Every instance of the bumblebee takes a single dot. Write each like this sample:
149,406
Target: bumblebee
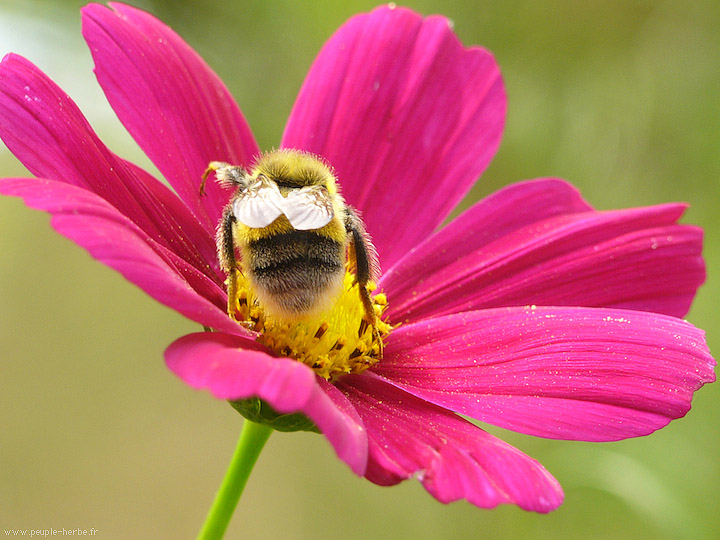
294,232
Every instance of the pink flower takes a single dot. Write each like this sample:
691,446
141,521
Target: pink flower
531,311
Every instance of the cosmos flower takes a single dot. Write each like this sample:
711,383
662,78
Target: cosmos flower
531,311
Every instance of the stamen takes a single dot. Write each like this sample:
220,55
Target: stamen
338,341
321,330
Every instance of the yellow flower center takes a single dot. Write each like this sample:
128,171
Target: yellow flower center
333,343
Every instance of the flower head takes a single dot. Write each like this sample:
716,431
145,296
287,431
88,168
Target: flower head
531,311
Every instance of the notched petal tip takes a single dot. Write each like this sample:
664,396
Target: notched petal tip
451,457
551,253
158,85
9,57
562,373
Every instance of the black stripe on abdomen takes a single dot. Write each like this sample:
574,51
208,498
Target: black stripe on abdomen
296,263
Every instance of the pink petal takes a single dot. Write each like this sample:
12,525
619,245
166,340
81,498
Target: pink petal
451,457
232,367
565,373
496,216
407,116
44,128
114,240
170,101
637,259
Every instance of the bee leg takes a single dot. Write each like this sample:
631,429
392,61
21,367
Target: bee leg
226,256
226,175
212,167
366,266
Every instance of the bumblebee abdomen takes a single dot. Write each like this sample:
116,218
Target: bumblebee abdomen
296,272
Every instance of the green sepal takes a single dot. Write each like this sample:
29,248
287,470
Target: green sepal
256,410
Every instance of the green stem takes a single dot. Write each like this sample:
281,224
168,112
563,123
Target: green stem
252,440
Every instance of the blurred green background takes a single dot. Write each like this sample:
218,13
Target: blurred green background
621,98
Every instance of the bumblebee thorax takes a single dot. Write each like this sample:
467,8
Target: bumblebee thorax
294,169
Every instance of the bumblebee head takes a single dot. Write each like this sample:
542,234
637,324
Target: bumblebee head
287,183
292,169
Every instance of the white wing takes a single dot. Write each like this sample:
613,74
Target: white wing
308,208
259,205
